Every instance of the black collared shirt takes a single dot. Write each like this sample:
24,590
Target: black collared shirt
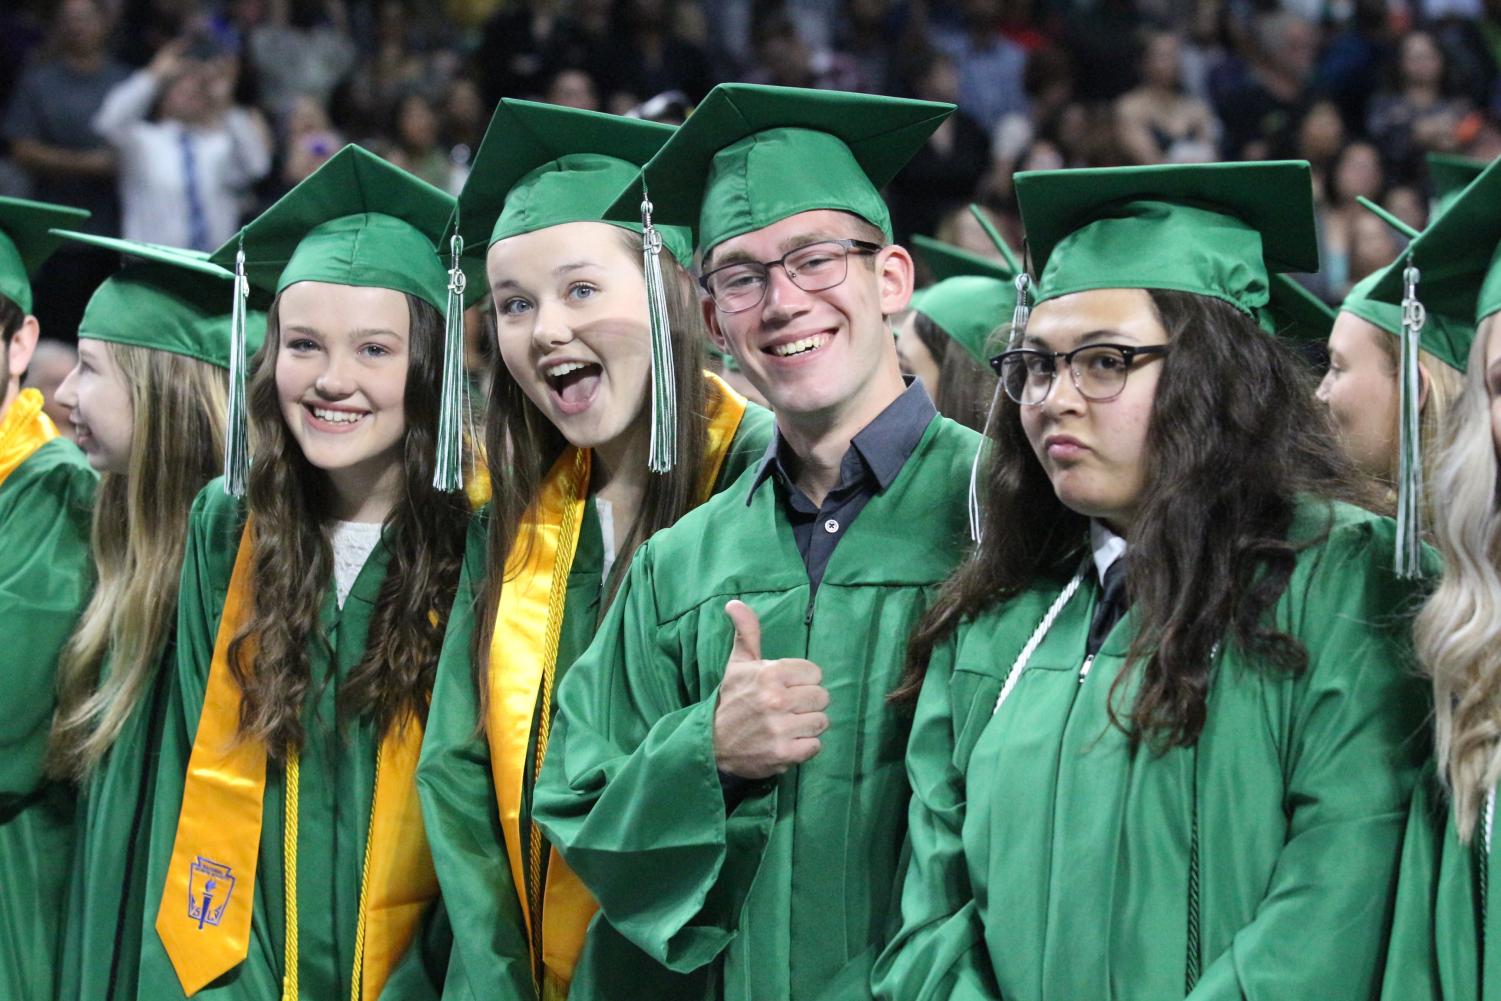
875,456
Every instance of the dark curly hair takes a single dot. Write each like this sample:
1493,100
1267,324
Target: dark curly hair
1235,439
290,502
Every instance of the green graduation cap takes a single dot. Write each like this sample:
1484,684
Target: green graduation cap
356,220
165,300
1001,246
541,165
753,155
1294,313
948,261
1448,175
1215,229
26,240
967,308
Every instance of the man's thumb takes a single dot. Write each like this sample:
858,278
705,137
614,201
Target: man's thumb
747,631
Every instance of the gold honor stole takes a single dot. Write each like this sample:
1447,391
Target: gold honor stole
204,918
523,662
25,429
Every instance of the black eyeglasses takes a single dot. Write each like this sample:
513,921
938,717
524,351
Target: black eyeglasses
812,267
1099,370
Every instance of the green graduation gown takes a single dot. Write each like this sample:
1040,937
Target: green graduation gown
337,787
107,887
491,956
786,894
1050,862
46,573
1444,936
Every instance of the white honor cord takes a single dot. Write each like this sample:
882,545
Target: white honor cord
1020,664
1490,816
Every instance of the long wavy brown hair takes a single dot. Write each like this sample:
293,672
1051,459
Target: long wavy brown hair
291,504
139,530
1235,438
521,444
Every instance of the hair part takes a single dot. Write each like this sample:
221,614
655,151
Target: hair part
521,445
291,504
139,530
1457,634
1235,438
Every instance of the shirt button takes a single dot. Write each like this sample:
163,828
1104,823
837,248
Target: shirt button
831,526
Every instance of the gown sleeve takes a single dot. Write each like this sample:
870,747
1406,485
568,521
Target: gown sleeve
630,793
491,958
46,571
207,559
1412,972
1355,741
939,949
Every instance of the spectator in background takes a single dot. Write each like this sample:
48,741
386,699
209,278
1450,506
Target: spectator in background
1157,122
518,41
1261,99
1419,114
784,59
51,361
946,172
1049,85
464,116
303,49
573,88
871,33
1321,136
415,147
188,156
309,139
1356,172
648,57
990,65
47,125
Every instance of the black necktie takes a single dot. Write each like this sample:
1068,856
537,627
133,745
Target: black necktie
1111,607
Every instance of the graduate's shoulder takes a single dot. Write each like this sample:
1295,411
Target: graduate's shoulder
1334,534
56,473
216,521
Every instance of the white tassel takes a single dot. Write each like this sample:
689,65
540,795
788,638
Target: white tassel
237,443
1410,450
448,470
664,404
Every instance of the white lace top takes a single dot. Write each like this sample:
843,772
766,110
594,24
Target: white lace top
353,542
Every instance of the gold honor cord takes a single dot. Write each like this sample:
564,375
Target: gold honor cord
208,900
25,429
523,664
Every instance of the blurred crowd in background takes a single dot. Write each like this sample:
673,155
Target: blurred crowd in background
174,120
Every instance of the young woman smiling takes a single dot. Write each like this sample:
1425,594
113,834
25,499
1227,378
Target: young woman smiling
1446,940
288,856
568,437
1166,707
147,401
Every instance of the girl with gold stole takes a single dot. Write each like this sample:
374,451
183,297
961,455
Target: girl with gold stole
287,851
585,464
147,401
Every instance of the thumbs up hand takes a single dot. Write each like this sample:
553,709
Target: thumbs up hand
770,712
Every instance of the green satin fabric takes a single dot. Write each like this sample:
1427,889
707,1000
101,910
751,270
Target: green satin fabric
491,956
337,784
788,894
1051,862
46,573
1446,941
101,949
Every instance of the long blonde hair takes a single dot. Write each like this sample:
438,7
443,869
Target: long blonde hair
1458,632
139,532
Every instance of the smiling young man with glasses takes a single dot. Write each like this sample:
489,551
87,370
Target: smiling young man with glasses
725,771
